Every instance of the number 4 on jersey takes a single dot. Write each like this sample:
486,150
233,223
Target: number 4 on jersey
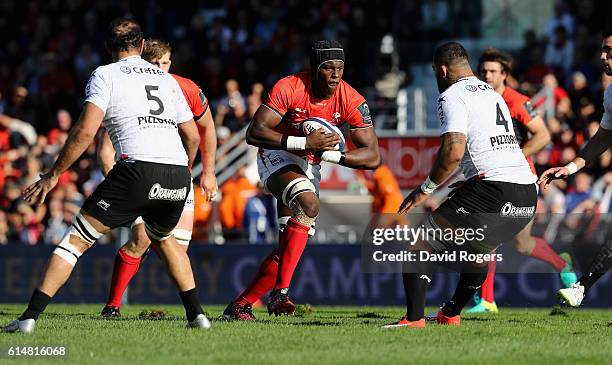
500,119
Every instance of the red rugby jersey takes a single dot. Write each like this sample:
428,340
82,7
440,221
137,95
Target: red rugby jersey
293,99
522,112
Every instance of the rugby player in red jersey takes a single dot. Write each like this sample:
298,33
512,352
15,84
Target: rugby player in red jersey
288,163
129,256
532,134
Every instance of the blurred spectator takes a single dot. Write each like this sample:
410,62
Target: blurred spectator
3,228
436,18
580,193
64,123
231,111
560,18
2,104
386,196
259,221
255,99
234,195
20,107
85,61
560,52
56,225
201,215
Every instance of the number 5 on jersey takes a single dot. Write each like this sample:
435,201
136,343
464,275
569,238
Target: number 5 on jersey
160,105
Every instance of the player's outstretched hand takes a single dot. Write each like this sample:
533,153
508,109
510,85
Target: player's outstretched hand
208,183
319,141
37,192
413,200
553,174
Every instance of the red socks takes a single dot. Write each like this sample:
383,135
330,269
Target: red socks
124,270
292,243
276,270
264,280
543,251
488,290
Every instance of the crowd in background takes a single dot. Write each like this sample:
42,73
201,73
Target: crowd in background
235,50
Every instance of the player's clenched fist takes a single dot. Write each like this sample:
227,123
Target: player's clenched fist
318,141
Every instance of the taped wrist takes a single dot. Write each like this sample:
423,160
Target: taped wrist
293,143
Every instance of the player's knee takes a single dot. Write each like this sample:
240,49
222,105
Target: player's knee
310,206
141,241
80,236
157,233
183,236
521,247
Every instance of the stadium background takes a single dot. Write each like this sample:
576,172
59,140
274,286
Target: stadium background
236,50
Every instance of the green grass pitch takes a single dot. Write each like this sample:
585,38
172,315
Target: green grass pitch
327,335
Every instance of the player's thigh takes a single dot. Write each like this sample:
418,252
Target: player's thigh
118,200
524,242
186,220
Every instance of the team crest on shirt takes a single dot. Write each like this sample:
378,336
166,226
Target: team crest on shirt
336,117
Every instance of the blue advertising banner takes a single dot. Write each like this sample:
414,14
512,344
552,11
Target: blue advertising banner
327,274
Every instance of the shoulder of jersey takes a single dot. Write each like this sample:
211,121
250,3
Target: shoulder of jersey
294,82
297,79
512,95
348,88
185,82
103,69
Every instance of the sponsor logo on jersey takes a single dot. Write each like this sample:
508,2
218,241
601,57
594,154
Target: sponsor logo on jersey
462,211
155,120
503,139
440,110
147,70
425,277
510,211
125,69
102,204
471,88
159,193
275,159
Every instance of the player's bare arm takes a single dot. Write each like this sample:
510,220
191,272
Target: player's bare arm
539,136
597,145
260,133
106,153
190,138
366,156
447,159
80,137
208,149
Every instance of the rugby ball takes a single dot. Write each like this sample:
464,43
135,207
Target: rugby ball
312,124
